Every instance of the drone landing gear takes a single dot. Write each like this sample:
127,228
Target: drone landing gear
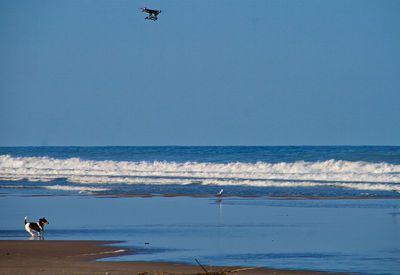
152,17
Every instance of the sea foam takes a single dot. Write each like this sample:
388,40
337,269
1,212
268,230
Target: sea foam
346,174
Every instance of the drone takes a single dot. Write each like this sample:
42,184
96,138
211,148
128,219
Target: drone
152,13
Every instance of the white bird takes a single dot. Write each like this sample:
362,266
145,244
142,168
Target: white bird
220,192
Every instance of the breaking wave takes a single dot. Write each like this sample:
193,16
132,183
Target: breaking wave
346,174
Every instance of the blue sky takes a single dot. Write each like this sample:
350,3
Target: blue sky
209,72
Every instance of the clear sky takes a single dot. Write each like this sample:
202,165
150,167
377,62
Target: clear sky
208,72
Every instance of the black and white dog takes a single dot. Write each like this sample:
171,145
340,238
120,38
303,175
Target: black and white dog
37,227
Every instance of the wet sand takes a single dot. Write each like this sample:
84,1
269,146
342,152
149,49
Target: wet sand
78,257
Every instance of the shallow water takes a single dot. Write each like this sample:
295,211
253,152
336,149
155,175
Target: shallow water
344,235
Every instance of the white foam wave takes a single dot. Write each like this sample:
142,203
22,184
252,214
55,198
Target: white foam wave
81,189
347,174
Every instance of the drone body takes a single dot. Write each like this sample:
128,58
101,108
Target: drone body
152,13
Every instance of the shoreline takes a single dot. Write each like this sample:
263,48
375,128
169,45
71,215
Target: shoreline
79,257
120,195
173,195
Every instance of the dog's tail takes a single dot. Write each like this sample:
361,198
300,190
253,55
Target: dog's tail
25,219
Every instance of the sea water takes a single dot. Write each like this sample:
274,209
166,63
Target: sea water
332,209
280,171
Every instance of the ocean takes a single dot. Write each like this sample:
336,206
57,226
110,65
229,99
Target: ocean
324,208
338,171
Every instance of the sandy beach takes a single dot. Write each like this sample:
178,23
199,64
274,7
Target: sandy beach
78,257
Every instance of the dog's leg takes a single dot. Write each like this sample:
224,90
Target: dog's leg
29,230
32,234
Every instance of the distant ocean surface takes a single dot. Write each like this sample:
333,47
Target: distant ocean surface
332,171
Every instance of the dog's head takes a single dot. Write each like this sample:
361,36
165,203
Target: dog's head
43,221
